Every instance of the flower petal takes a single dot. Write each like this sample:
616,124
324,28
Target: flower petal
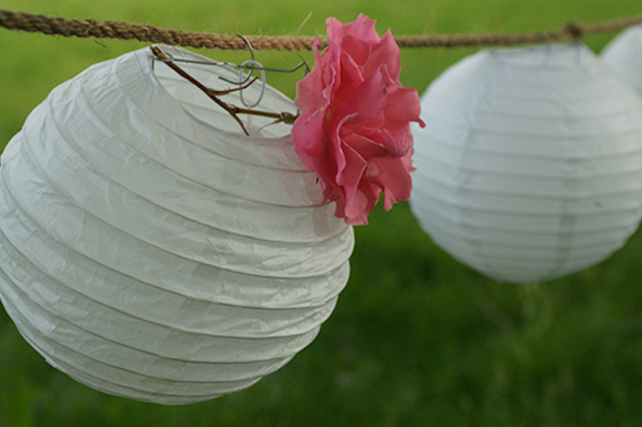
363,28
368,196
368,98
386,52
403,105
357,49
394,180
365,146
352,172
308,135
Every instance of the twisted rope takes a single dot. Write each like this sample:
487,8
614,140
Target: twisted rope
149,33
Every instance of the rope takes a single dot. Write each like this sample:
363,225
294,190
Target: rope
149,33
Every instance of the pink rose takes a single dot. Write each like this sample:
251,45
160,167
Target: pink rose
354,128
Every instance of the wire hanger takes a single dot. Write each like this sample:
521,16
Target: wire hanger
251,65
244,81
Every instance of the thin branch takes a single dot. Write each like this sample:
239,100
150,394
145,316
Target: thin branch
233,110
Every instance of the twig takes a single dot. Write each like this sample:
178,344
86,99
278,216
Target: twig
233,110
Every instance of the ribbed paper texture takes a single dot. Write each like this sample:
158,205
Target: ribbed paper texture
530,164
149,249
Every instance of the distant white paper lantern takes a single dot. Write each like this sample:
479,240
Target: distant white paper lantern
624,55
530,164
149,249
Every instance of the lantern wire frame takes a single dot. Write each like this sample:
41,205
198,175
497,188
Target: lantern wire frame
251,65
242,82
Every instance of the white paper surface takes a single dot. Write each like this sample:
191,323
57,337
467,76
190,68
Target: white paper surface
151,250
624,55
530,165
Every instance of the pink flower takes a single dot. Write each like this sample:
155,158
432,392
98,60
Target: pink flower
354,128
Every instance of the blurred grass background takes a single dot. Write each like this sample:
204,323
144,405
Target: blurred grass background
416,339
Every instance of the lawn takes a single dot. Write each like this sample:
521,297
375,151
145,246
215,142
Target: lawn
417,339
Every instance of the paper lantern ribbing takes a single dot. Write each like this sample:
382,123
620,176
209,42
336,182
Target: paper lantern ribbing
151,250
624,55
530,164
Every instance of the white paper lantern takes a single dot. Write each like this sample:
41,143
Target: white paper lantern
530,164
149,249
624,55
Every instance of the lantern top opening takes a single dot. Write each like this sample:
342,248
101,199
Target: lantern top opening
546,55
198,105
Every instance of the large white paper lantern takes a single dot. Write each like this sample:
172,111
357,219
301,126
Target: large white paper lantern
149,249
530,164
624,55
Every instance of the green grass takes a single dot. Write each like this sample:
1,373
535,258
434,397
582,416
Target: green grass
417,339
